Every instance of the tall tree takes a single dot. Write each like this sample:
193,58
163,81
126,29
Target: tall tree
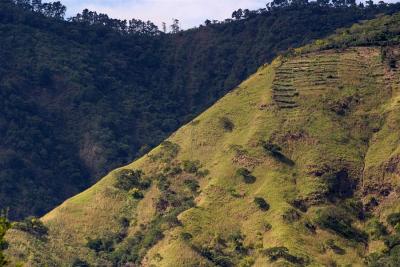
37,5
237,14
175,27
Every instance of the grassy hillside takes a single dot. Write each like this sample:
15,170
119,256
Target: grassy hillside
79,98
297,166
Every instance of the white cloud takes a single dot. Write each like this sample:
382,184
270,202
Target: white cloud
190,12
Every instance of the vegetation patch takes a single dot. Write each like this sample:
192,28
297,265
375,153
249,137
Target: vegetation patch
168,206
191,166
379,31
109,242
337,181
226,252
172,170
32,226
186,236
277,253
299,204
340,222
136,193
261,203
310,226
343,106
136,247
387,257
330,243
130,179
392,241
291,215
276,152
393,219
226,124
194,167
353,207
168,152
233,192
4,226
105,244
162,182
375,229
80,263
192,185
248,178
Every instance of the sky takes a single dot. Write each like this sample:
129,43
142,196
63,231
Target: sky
191,13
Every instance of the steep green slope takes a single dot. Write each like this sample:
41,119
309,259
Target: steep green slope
80,98
297,166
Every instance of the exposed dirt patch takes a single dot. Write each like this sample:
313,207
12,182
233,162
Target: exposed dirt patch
246,161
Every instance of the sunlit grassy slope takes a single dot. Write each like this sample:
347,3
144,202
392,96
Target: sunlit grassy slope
333,114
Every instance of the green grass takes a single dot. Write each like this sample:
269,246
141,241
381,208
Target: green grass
312,135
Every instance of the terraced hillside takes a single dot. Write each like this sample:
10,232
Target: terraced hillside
297,166
311,75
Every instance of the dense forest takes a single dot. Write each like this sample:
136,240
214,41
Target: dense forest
80,96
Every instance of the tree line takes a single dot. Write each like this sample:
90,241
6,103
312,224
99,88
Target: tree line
135,26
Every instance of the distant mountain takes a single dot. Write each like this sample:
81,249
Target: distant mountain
298,166
81,97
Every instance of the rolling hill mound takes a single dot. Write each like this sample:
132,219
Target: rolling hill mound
298,166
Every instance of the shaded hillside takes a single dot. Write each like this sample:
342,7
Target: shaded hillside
78,98
298,166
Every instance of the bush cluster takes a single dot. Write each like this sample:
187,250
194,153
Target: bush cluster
393,219
191,166
136,193
4,226
129,179
376,229
168,151
340,222
248,178
291,215
33,226
276,152
276,253
225,251
226,124
80,263
330,243
261,203
194,167
192,185
101,244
